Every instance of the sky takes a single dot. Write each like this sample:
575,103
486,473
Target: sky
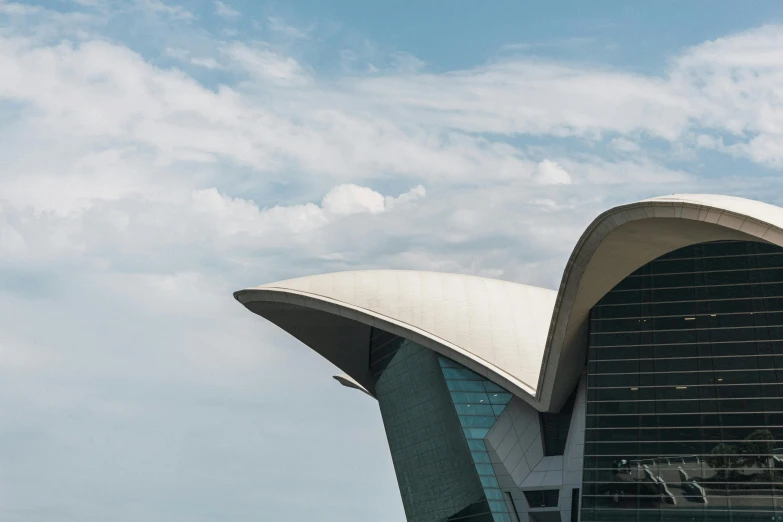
155,157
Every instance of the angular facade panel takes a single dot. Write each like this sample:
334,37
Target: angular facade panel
431,458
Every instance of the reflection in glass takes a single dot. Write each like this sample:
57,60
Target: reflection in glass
478,412
436,414
435,468
684,417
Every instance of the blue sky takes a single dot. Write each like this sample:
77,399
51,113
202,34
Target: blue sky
155,157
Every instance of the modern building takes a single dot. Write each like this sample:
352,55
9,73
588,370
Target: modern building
647,388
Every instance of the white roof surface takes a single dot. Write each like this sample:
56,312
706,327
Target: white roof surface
487,324
530,340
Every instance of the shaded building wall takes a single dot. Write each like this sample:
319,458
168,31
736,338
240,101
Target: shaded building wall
434,469
436,414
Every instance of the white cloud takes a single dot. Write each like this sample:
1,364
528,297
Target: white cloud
263,63
184,55
533,97
728,85
733,84
550,173
352,199
134,199
278,25
169,113
412,195
12,243
225,10
406,63
624,145
207,63
349,199
91,3
230,216
158,7
16,9
598,171
18,354
129,227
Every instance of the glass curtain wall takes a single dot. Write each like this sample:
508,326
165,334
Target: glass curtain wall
478,403
436,414
685,367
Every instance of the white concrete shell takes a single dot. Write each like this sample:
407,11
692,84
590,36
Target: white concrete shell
494,327
530,340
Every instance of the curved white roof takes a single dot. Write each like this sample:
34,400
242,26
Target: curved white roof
494,327
530,340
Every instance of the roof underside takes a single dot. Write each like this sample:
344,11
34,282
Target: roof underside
530,340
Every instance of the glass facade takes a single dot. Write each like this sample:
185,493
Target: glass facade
685,367
478,403
542,498
436,414
554,428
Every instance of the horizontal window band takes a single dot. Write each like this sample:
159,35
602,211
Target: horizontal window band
695,343
651,456
665,259
722,271
656,441
686,427
704,399
673,259
686,386
654,459
588,513
679,510
767,512
682,358
671,455
768,507
679,461
751,370
686,413
704,300
687,330
654,288
708,329
716,314
706,486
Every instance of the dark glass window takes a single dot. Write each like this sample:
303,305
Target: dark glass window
575,505
684,413
554,428
383,347
477,410
428,448
436,414
542,498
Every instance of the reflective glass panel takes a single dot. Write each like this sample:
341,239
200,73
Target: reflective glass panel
436,471
684,389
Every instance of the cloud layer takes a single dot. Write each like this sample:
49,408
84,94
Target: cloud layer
144,181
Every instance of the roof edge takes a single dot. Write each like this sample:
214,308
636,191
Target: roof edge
691,207
397,327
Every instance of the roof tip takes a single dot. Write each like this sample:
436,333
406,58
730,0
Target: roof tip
349,382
